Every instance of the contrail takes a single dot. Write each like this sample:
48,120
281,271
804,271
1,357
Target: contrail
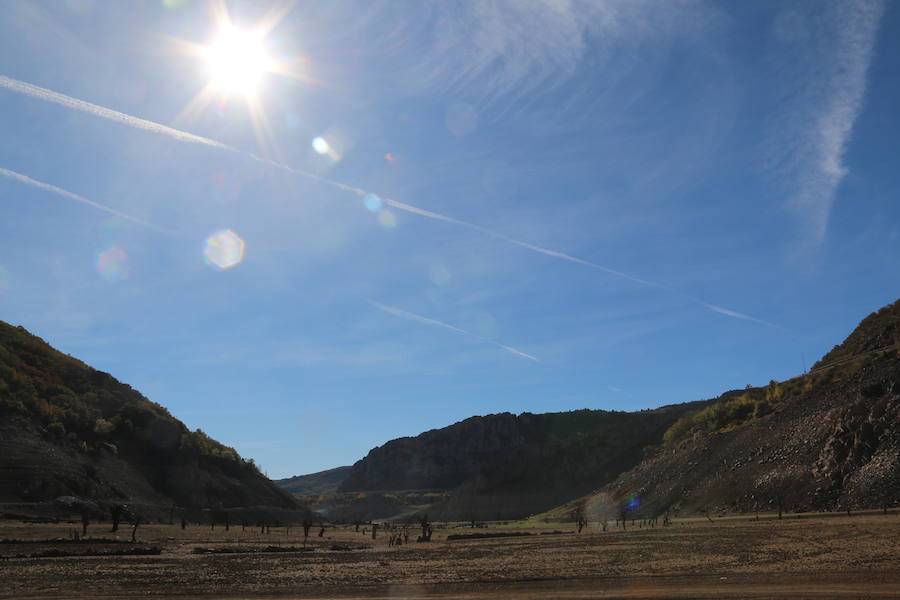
439,217
67,194
108,113
341,186
736,315
420,319
433,215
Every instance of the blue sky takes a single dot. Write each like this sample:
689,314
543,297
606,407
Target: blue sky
579,204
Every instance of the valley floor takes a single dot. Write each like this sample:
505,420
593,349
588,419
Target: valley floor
805,556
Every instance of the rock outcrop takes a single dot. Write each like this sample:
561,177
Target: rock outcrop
505,466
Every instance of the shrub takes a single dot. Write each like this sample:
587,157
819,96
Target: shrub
103,427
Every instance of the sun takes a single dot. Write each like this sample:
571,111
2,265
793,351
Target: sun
237,61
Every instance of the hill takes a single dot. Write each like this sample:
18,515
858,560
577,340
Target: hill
878,331
72,434
506,466
323,482
827,440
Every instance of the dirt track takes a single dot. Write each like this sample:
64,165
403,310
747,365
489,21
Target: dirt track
811,557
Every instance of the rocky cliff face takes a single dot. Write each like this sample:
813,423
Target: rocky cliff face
508,466
437,459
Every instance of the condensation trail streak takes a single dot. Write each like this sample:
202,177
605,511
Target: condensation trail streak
420,319
67,194
107,113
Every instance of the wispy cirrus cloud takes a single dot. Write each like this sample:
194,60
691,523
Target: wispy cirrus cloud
427,321
814,127
737,315
489,49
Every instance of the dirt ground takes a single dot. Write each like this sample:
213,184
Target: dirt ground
805,556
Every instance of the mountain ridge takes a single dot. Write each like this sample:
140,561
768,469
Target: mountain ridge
70,431
825,439
499,465
320,482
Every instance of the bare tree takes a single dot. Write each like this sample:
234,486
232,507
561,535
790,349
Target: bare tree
115,513
85,521
580,518
427,529
137,523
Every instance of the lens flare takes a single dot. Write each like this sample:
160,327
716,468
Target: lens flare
632,501
223,250
320,145
387,219
372,202
333,145
113,264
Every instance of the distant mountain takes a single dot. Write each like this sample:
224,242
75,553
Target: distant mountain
323,482
506,466
827,440
71,433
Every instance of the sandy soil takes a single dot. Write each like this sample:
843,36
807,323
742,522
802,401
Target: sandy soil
814,556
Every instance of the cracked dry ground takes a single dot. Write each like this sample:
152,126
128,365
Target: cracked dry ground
816,556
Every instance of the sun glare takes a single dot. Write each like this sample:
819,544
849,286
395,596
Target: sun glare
237,61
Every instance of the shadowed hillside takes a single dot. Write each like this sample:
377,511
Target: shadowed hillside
323,482
508,466
67,430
